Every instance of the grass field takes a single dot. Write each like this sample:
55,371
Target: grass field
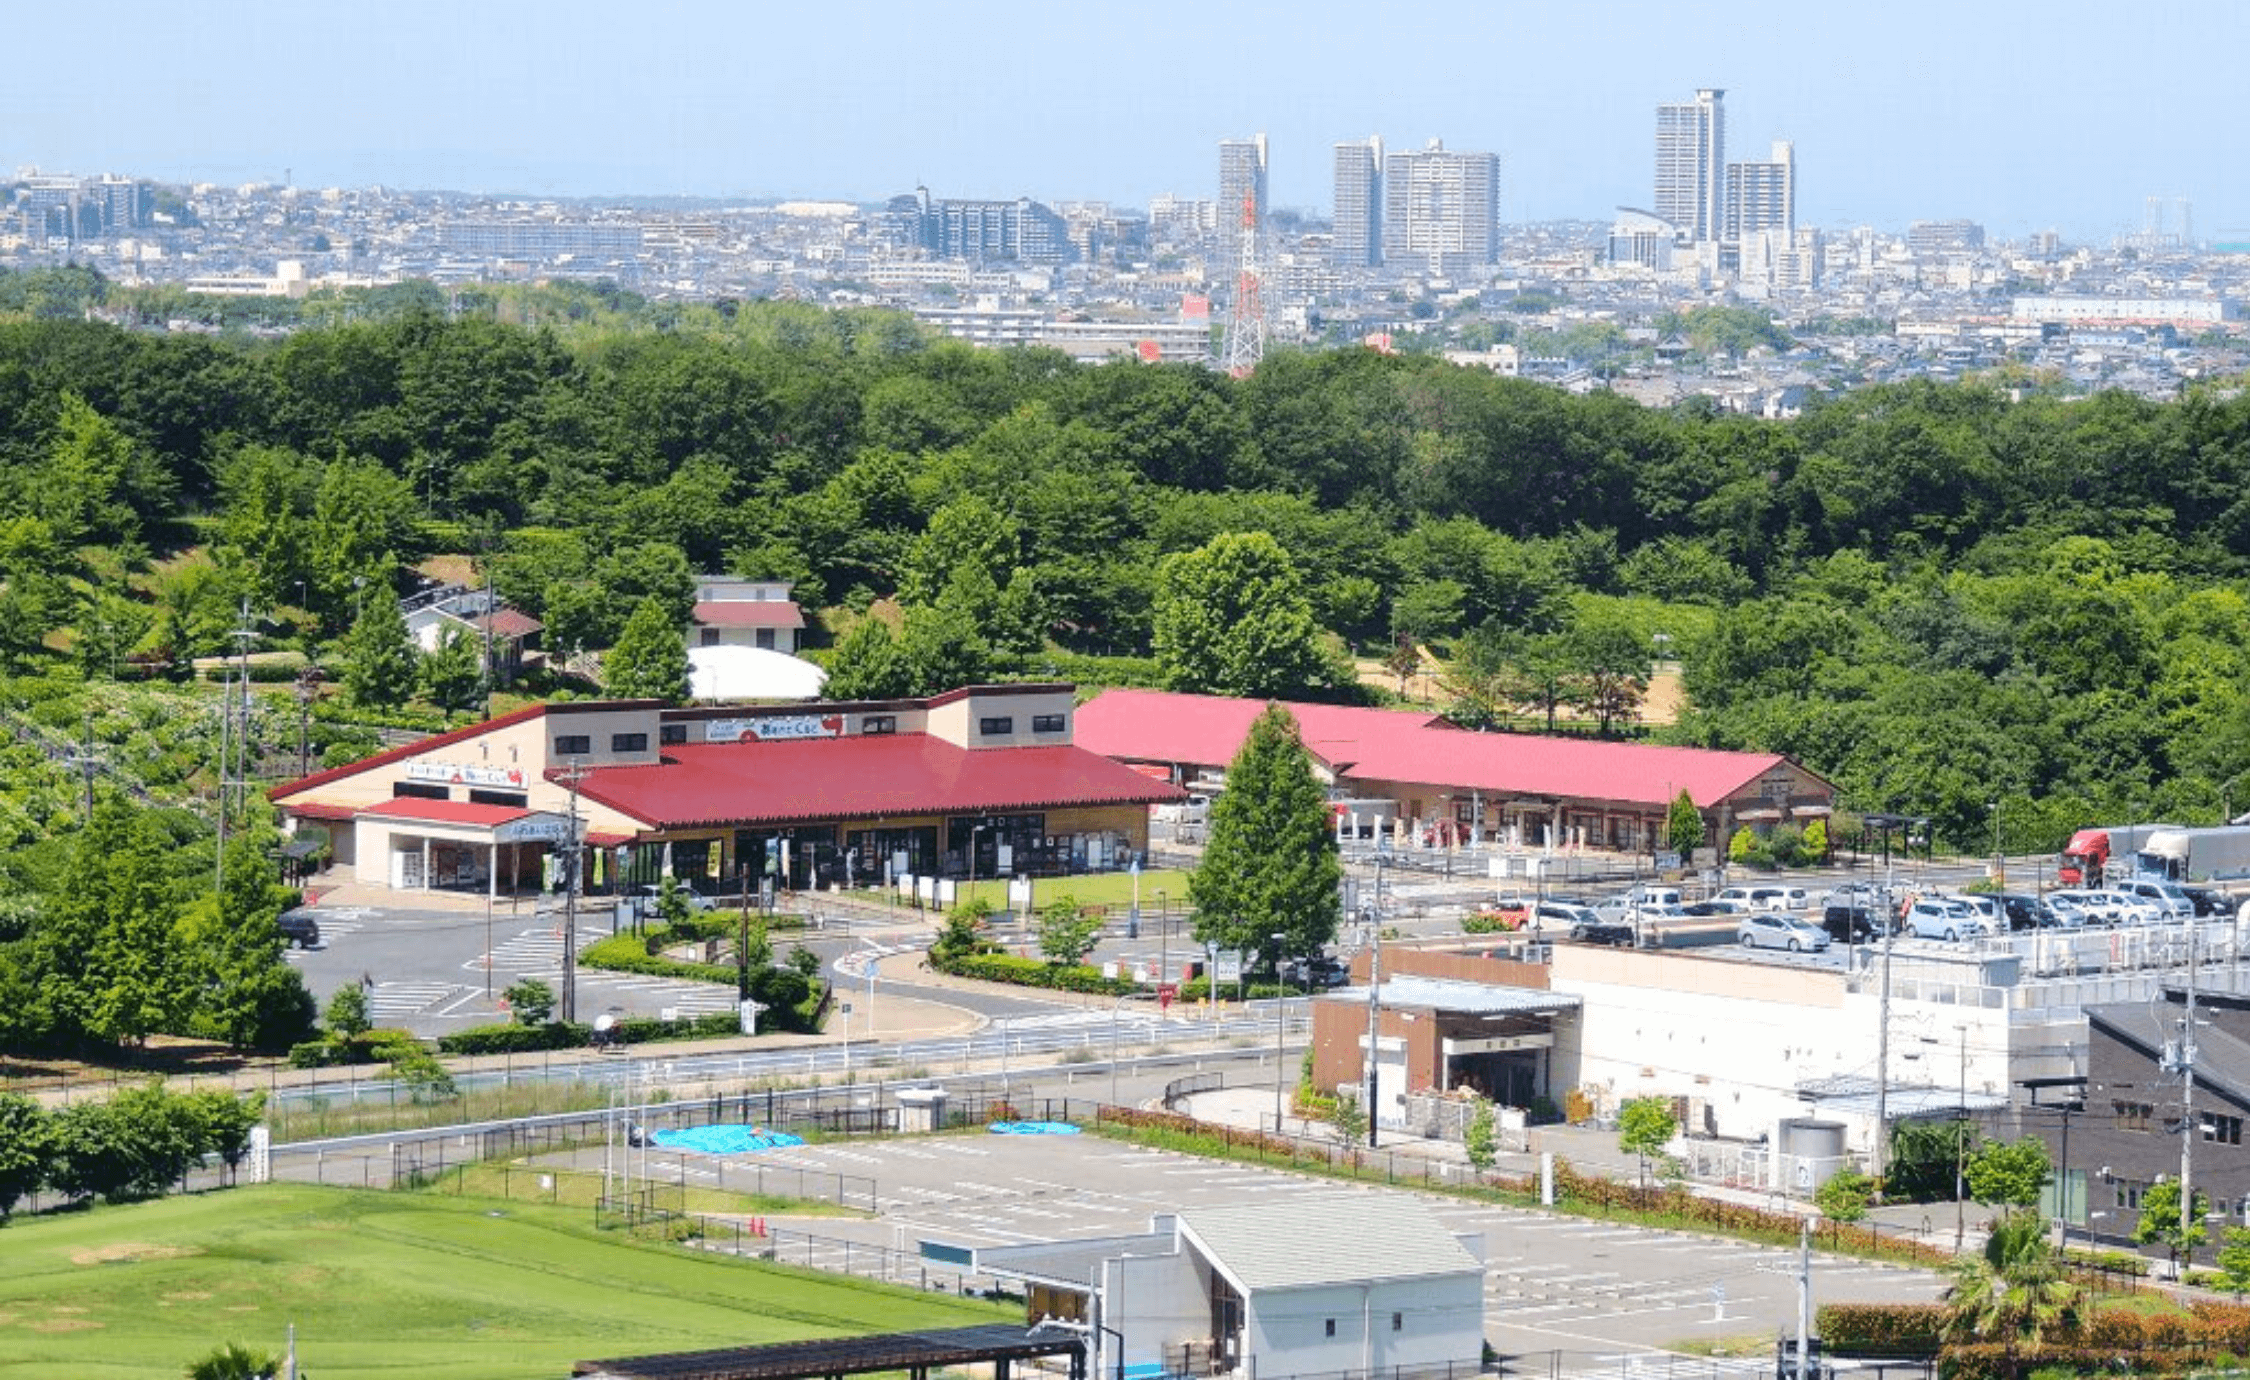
1099,889
396,1284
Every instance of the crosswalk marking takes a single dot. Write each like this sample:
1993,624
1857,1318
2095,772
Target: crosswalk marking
393,999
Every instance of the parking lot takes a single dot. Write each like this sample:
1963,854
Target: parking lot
1596,1290
433,971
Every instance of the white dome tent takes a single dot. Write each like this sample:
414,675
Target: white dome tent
751,673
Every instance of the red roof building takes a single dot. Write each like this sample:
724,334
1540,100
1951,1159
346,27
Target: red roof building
745,613
983,781
1420,770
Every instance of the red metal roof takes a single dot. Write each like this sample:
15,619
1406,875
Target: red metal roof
867,777
749,613
1208,730
444,811
1416,748
400,753
314,810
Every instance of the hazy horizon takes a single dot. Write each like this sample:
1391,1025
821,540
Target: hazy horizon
2020,117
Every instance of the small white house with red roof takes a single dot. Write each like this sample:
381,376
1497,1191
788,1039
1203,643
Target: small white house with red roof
745,613
1458,785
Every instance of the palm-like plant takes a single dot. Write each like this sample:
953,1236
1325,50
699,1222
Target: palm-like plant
234,1362
2014,1291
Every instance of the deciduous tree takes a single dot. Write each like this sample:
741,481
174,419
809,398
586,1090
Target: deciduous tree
1645,1126
650,660
1232,619
1270,865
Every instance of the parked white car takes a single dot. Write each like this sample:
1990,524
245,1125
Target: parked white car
2070,913
1778,930
1944,917
2165,896
2129,909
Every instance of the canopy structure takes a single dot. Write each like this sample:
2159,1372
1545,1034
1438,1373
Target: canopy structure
915,1353
751,673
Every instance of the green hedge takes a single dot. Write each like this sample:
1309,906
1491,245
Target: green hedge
1881,1329
330,1051
634,1030
625,954
1032,972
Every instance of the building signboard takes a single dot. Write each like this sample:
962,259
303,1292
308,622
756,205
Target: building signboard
465,774
540,828
773,728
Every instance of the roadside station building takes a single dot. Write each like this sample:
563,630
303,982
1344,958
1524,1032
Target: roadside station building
1453,785
983,781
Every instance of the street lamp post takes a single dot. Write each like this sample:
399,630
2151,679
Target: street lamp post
1999,859
1280,1015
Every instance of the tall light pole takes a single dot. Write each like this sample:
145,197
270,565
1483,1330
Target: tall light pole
1999,859
571,775
1961,1152
1280,1014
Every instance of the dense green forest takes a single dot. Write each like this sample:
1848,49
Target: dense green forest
1939,596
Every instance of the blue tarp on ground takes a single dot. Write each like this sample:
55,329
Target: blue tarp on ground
724,1140
1033,1128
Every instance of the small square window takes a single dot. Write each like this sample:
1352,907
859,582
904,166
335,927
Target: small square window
668,734
628,742
1048,723
879,723
1331,1327
1398,1322
573,744
996,728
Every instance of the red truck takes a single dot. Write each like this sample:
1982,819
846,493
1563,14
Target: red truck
2086,858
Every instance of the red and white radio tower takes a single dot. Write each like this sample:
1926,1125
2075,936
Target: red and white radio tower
1246,322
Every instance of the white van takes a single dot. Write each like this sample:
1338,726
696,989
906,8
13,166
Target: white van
1759,897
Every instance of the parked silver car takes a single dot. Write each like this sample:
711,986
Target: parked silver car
1779,930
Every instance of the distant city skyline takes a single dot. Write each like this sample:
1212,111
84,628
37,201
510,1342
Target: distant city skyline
2022,118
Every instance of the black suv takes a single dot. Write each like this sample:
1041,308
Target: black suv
2209,902
2026,912
299,928
1602,932
1849,924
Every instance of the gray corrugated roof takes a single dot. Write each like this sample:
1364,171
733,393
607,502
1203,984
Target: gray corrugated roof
1068,1262
1474,998
1368,1236
1856,1093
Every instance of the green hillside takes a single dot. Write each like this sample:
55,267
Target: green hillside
395,1284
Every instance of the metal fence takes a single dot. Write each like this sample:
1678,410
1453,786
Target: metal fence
750,1239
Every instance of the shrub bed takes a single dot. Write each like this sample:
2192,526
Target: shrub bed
1881,1329
1032,972
369,1047
634,1030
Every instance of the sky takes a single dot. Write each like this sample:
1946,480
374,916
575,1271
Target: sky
2062,115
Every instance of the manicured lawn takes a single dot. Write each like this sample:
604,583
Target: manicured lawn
397,1284
1099,889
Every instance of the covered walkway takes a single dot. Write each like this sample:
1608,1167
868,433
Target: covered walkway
915,1353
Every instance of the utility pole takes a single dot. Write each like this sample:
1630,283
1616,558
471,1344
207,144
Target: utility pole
1889,921
244,633
1961,1152
85,760
1804,1299
1374,1027
226,733
571,775
2187,1106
